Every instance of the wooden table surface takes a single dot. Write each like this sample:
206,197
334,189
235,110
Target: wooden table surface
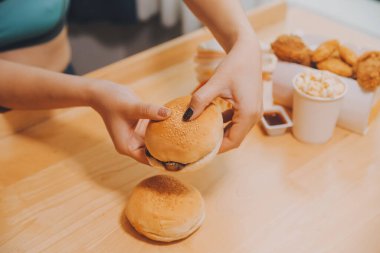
63,187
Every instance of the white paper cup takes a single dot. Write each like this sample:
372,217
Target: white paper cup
314,118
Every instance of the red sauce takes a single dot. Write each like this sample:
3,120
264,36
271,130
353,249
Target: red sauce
274,118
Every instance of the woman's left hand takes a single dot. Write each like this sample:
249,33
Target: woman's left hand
237,79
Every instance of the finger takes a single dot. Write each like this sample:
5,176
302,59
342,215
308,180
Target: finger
151,111
141,126
232,137
228,115
135,148
127,142
139,155
200,100
236,130
199,86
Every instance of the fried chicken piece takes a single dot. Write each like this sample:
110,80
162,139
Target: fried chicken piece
367,70
347,55
335,66
335,54
291,48
325,50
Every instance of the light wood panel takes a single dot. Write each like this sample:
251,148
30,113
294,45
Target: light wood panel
63,188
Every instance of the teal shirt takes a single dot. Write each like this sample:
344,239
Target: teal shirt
26,19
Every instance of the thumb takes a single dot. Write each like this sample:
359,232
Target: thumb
200,100
151,111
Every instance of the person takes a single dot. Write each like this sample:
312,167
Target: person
30,78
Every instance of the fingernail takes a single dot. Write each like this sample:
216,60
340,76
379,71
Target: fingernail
164,112
187,115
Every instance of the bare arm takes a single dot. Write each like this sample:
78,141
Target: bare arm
238,77
25,87
226,20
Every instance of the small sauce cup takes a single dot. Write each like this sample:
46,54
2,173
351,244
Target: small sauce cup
314,117
275,120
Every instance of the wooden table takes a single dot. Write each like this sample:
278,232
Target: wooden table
63,186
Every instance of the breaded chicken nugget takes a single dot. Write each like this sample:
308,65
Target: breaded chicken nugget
325,50
335,54
291,48
367,70
347,55
336,66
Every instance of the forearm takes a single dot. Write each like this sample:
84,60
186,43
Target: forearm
226,19
25,87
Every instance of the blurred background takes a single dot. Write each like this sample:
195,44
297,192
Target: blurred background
102,32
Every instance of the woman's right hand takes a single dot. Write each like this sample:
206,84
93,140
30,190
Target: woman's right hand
123,114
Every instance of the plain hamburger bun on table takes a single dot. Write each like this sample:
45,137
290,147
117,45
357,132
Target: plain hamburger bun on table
177,145
163,208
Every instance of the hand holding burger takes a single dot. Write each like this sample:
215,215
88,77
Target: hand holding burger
177,145
238,77
125,116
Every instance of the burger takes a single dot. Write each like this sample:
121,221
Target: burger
177,145
162,208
